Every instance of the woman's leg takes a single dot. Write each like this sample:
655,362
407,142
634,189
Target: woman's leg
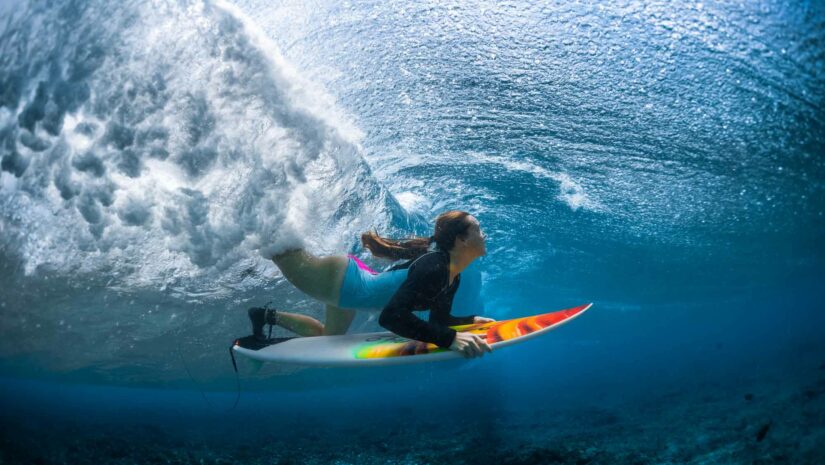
338,320
302,325
318,277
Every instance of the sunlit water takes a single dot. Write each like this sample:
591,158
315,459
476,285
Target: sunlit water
662,161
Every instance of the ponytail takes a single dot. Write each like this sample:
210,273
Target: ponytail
448,226
392,249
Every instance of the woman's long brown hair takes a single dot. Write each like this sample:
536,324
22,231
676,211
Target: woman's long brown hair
448,226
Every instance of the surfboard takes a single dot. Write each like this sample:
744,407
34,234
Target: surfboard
386,348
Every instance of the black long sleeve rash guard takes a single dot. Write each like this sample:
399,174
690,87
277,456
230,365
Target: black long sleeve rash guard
426,287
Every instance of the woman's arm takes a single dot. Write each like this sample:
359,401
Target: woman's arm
449,319
417,289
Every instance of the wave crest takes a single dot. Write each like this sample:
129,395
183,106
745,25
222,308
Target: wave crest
174,141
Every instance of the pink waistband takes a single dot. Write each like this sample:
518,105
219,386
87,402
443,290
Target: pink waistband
361,264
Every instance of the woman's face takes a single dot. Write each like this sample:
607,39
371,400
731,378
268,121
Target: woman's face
474,238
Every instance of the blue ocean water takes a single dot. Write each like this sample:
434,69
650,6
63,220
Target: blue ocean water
663,161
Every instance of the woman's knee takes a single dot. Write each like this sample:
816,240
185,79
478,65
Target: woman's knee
287,256
338,320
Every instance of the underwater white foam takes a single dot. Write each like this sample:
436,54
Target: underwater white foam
570,191
412,201
198,151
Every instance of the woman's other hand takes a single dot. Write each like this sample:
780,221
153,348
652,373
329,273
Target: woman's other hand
470,345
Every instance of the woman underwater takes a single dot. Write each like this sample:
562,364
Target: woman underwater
429,279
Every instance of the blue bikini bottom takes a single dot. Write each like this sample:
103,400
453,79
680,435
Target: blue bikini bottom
366,289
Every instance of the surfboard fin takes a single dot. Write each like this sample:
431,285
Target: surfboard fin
256,366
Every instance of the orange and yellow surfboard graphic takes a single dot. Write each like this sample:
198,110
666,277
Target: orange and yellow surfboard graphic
391,345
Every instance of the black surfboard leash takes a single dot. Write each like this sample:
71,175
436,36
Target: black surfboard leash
203,394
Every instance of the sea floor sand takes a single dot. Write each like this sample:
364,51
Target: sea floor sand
767,421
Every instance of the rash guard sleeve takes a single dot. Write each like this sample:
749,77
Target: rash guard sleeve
424,281
451,320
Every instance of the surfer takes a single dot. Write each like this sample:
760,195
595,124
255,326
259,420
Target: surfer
429,279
